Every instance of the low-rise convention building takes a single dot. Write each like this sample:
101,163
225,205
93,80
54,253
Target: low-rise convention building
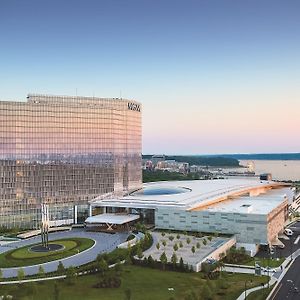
253,210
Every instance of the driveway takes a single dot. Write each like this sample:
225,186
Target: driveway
104,242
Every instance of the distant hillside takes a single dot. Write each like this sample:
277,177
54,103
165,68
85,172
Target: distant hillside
265,156
216,161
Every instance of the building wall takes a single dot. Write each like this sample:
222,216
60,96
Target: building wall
276,220
248,228
65,151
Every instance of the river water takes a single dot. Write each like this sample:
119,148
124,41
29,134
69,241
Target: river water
280,169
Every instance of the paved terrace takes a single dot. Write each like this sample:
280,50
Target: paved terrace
190,258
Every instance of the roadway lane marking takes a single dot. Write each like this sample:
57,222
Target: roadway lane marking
277,290
297,240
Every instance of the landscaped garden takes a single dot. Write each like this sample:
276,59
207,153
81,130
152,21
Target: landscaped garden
138,283
191,249
25,256
240,257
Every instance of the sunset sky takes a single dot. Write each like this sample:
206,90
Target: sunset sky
214,76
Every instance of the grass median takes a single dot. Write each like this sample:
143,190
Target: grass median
24,257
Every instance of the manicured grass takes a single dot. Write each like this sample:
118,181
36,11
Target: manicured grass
23,257
264,262
260,294
25,253
144,283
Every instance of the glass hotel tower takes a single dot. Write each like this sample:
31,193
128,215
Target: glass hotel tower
65,151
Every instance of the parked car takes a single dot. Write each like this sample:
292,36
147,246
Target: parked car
288,232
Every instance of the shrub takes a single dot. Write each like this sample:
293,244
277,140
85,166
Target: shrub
110,282
60,268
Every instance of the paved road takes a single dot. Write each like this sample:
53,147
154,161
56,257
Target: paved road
288,283
104,243
289,243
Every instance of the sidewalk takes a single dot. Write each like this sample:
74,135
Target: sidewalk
275,277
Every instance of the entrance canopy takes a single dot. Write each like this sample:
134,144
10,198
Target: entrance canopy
111,222
117,219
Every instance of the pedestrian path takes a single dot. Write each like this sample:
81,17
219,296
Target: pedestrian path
275,277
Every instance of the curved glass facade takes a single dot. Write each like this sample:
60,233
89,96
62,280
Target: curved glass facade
65,151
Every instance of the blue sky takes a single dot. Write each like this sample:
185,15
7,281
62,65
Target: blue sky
210,74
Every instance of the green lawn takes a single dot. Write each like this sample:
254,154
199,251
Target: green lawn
23,257
264,262
144,283
260,294
25,253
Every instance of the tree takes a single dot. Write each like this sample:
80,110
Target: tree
181,264
102,266
157,246
21,274
71,274
188,240
174,260
41,272
210,238
56,291
60,268
204,242
150,261
193,249
198,245
175,247
163,234
139,252
164,243
178,236
164,260
180,244
171,238
138,226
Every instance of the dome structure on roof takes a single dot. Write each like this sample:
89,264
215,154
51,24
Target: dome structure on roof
160,190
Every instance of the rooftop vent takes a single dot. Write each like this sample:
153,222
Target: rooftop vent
248,207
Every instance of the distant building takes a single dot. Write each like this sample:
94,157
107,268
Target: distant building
157,158
265,176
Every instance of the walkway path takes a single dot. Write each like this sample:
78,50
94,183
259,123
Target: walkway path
104,242
275,277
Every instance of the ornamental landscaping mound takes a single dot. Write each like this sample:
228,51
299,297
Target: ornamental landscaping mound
59,249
